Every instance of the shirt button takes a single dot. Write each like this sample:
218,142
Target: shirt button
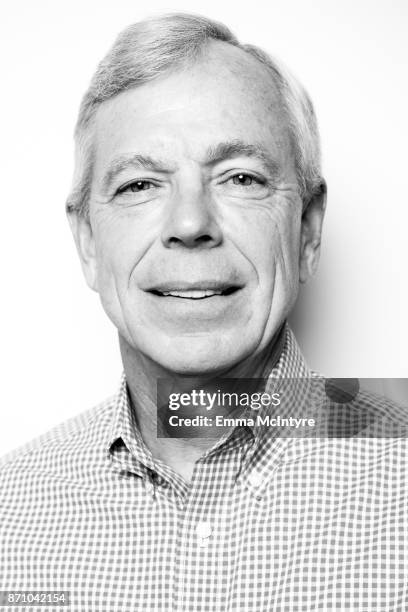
255,479
203,530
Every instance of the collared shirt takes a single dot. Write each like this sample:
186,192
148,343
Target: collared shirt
269,522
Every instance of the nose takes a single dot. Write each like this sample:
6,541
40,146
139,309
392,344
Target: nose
190,220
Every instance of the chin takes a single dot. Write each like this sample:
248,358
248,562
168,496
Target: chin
199,355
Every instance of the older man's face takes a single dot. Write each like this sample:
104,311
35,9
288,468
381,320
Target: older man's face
195,214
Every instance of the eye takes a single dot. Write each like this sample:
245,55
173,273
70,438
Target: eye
245,180
244,185
136,186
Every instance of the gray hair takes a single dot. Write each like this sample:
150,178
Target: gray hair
157,46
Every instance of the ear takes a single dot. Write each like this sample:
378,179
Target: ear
310,236
85,243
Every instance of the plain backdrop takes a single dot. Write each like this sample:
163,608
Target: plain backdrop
59,351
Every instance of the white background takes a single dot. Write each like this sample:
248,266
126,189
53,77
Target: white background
59,351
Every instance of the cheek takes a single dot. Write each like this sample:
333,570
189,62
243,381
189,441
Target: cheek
118,249
277,263
286,249
120,244
271,242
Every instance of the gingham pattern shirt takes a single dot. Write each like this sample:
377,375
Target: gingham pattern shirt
268,523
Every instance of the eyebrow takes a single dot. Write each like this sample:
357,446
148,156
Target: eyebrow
237,148
214,155
134,160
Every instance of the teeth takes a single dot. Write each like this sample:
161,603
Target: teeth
194,294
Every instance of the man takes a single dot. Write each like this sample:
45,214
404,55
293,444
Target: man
197,208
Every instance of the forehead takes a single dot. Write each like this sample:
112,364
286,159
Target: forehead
225,95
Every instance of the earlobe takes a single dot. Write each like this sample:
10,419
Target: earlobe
311,231
85,243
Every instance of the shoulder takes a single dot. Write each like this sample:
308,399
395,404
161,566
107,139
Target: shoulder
366,415
88,427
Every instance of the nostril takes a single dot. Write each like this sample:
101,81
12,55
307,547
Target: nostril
190,242
174,240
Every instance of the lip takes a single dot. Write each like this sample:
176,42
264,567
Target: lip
203,285
198,290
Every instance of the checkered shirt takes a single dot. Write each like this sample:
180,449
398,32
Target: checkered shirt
269,522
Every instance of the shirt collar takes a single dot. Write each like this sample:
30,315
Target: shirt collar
125,444
291,379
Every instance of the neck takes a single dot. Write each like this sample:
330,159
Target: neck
141,376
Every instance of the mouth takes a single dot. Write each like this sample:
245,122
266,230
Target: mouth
201,291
